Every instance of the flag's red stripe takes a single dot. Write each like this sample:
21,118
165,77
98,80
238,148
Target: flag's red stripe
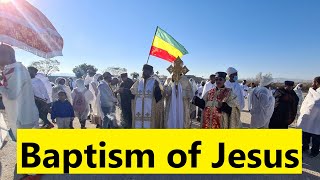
163,54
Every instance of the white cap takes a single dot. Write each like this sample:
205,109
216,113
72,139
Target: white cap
231,70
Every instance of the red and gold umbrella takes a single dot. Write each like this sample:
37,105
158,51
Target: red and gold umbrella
24,26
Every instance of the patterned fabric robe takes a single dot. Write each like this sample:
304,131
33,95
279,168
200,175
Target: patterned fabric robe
212,118
145,106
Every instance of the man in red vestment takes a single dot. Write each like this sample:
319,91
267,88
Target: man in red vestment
221,109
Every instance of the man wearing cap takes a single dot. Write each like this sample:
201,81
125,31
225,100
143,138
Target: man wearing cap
233,84
147,94
220,106
17,92
286,106
107,100
262,104
126,98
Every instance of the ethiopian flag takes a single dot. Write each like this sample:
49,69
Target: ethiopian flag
166,47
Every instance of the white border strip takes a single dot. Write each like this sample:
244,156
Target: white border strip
24,46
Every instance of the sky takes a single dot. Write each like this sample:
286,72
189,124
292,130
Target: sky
269,36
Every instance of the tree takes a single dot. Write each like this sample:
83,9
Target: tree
134,75
259,76
116,71
47,66
82,70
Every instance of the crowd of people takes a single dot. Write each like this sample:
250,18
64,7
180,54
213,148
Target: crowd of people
150,103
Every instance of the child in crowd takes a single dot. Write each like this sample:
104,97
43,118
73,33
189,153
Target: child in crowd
62,111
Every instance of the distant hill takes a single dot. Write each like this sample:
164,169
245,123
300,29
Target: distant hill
281,80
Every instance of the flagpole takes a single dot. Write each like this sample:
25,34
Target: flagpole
152,44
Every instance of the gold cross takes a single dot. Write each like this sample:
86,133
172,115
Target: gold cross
177,70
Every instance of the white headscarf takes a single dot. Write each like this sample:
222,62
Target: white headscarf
80,85
96,77
87,80
299,93
266,80
59,79
298,87
194,85
231,70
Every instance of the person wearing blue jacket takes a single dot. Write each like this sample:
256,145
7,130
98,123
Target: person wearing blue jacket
62,111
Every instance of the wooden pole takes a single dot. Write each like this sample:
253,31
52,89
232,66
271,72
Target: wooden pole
152,44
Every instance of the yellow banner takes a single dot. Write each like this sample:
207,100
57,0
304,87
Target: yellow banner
159,151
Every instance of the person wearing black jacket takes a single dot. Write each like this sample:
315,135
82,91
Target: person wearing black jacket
126,98
286,107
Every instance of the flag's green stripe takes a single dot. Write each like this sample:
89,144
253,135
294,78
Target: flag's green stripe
169,39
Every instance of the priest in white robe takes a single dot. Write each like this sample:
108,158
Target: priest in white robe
211,84
309,120
147,94
233,84
177,104
17,93
262,104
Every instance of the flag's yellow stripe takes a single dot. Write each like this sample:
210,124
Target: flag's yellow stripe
159,43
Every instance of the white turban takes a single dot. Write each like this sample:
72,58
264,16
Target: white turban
231,70
266,80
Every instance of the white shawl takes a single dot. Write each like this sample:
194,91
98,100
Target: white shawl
176,111
309,119
237,90
46,83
